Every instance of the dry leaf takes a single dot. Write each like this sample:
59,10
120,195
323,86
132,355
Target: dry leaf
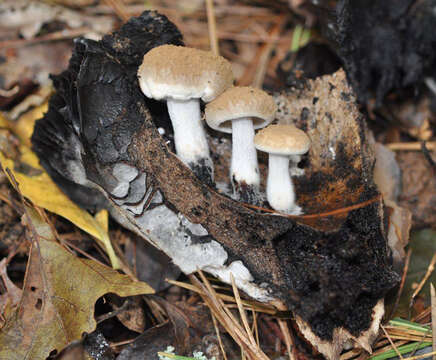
42,191
59,295
12,296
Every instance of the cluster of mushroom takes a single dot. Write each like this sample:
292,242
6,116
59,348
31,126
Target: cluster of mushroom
182,76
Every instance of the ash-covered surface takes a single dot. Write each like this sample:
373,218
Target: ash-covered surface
386,45
329,269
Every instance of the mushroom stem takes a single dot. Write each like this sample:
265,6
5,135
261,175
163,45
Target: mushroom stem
279,189
244,167
189,135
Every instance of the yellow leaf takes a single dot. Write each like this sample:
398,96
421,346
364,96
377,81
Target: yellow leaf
23,127
102,217
59,295
3,121
43,192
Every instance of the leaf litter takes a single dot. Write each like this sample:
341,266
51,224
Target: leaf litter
50,314
193,24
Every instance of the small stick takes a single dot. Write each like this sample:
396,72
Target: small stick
290,347
58,35
119,8
211,23
242,311
218,335
403,280
433,317
113,313
288,338
392,343
411,146
425,278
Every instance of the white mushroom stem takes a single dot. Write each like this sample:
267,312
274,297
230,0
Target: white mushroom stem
279,188
244,167
189,135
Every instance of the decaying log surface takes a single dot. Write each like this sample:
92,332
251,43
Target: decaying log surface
331,266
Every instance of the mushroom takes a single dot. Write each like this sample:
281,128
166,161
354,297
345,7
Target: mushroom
241,110
182,76
282,142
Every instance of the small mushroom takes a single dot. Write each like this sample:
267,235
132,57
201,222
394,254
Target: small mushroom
240,111
182,76
282,142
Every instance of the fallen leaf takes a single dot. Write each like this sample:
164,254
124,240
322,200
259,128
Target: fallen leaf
3,121
43,192
59,295
12,296
102,217
418,187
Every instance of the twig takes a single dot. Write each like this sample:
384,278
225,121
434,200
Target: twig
226,318
211,22
80,251
288,338
392,343
403,280
420,317
120,343
259,307
58,35
218,335
114,313
422,356
315,216
290,347
424,279
119,8
433,317
411,146
242,311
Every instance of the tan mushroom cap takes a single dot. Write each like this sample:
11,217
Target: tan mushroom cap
183,73
240,102
282,140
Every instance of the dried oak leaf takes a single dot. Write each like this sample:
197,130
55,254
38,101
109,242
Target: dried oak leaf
10,298
36,185
59,295
331,267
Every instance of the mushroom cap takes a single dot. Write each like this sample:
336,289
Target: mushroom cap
182,73
282,140
240,102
